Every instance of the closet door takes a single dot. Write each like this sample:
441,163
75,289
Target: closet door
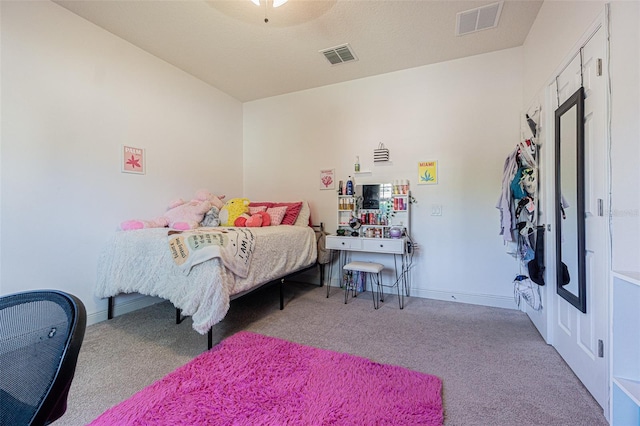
580,338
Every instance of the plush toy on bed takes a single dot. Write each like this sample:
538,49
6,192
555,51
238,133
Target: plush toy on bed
180,215
232,210
211,218
256,220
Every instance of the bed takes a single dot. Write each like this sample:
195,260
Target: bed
142,262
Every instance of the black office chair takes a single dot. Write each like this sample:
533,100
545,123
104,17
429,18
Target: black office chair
40,336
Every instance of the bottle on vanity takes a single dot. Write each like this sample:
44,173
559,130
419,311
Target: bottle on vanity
349,186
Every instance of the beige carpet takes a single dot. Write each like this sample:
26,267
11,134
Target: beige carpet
495,367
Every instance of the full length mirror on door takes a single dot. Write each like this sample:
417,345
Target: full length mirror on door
570,211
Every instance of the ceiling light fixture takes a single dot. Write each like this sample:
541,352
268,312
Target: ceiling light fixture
274,3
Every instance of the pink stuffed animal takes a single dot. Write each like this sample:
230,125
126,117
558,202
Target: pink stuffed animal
254,221
180,215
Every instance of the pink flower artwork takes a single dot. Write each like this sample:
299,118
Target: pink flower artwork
327,180
133,160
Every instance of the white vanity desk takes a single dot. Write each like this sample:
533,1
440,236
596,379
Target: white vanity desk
395,246
375,245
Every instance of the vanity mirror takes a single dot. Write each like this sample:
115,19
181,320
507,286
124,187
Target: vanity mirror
374,194
378,209
570,207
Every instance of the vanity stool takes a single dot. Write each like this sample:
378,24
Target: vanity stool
370,269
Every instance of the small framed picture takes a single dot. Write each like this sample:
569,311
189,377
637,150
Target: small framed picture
132,160
427,172
327,179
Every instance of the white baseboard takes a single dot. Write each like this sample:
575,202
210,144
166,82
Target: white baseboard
123,307
471,298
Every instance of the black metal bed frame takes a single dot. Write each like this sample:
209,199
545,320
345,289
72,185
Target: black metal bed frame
180,317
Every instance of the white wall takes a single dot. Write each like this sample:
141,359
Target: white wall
463,113
72,93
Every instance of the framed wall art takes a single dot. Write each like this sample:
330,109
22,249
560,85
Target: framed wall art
132,160
328,179
427,172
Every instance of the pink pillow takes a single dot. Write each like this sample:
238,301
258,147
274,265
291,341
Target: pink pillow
256,209
293,210
277,214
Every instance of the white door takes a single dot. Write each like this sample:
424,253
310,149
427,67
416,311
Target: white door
580,338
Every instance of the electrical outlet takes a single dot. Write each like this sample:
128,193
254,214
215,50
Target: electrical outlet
436,209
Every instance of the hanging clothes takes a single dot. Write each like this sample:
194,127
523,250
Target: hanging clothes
517,202
536,266
505,201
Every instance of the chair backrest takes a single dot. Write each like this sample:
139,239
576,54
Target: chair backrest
40,336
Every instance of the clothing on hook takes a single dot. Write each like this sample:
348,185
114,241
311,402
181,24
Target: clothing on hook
518,199
516,185
529,181
505,202
536,266
527,150
532,125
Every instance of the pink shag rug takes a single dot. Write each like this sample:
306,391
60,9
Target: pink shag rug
251,379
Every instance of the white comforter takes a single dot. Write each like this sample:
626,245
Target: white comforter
141,262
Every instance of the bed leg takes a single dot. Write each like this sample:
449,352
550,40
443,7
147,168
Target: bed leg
281,294
179,317
210,338
110,308
321,275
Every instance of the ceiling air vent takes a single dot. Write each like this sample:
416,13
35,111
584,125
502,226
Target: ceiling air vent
339,54
481,18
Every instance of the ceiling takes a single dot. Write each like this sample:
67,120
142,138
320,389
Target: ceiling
227,44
